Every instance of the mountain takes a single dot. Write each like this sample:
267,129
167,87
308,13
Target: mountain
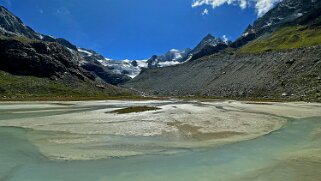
36,65
278,57
170,58
208,40
13,26
121,70
130,68
175,55
96,64
286,13
208,46
115,71
110,71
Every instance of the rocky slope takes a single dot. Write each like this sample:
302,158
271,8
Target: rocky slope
276,58
273,75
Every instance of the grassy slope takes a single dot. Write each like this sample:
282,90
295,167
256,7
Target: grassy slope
285,38
28,87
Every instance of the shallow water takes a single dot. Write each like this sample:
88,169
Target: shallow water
281,155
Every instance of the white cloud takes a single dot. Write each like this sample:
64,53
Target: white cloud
261,6
225,38
205,12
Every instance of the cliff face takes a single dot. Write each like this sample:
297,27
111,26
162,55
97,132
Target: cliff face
39,59
289,74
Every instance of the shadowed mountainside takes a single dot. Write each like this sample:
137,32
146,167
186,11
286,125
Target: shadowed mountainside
36,65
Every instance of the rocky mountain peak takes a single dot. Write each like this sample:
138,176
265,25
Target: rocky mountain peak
10,25
211,40
208,40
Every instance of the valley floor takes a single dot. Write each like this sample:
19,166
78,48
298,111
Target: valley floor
213,140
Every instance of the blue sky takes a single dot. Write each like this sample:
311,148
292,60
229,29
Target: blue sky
132,29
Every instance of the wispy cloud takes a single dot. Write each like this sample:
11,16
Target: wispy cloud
205,12
63,11
261,6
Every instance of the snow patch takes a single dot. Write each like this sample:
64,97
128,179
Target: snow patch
85,52
168,63
125,66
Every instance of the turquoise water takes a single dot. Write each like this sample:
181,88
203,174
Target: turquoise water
257,159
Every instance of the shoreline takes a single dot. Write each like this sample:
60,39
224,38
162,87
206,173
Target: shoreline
139,98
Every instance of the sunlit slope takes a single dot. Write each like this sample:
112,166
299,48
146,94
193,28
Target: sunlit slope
285,38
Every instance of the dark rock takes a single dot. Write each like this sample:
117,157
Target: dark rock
290,62
207,41
39,59
105,74
40,48
152,61
209,50
134,63
66,43
125,72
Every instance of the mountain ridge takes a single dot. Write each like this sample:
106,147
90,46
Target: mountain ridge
36,65
278,61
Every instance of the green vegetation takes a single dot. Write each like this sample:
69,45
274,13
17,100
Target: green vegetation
13,87
285,38
135,109
22,39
